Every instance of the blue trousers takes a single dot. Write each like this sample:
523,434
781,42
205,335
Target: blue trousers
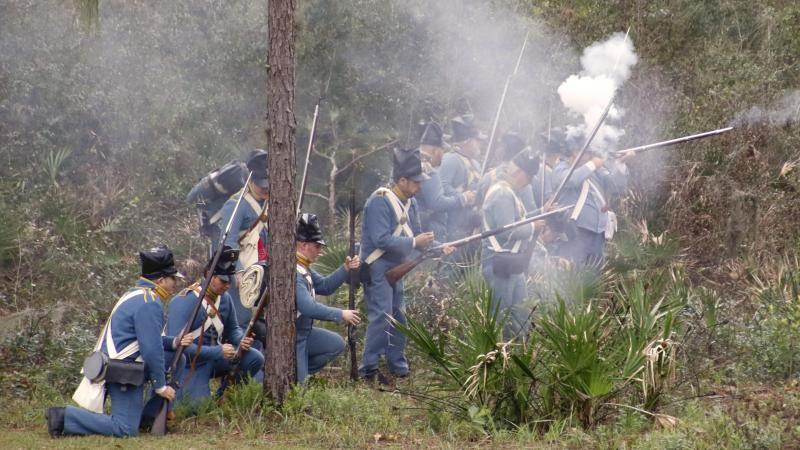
382,338
316,350
127,403
196,388
508,296
584,248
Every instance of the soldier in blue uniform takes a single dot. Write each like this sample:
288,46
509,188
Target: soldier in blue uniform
248,229
390,232
216,326
590,188
316,347
505,257
432,201
134,328
554,147
460,173
511,144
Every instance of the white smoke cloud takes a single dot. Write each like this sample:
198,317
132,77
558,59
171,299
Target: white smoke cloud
606,65
784,111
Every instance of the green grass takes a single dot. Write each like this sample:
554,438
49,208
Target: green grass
347,416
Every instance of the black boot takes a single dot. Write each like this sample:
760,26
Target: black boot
55,421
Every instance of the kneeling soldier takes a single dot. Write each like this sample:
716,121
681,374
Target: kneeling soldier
215,332
134,328
316,347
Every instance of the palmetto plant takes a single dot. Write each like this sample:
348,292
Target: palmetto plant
611,343
53,163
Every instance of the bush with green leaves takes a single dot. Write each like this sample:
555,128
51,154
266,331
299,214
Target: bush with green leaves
771,338
584,357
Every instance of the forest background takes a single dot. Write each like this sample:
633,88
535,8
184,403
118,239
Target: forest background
111,110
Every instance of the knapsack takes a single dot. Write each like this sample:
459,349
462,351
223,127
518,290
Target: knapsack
213,190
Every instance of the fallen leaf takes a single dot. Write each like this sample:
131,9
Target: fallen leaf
666,422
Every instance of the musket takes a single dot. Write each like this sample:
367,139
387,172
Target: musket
304,180
500,106
230,377
353,287
399,271
577,159
159,427
544,162
680,140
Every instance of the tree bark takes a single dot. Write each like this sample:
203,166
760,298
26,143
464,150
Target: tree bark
280,362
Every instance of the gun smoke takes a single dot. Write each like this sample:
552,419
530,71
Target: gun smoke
606,66
784,111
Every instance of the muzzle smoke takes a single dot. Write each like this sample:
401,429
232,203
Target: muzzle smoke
784,111
606,66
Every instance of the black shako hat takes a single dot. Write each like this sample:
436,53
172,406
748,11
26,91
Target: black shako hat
226,264
432,135
257,162
407,164
464,128
308,229
528,161
556,142
158,262
513,143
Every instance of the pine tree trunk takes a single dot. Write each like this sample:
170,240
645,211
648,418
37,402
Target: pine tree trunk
279,366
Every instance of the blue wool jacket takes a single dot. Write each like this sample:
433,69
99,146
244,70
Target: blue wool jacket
245,218
379,223
434,203
610,182
180,310
308,309
501,209
525,193
459,176
141,318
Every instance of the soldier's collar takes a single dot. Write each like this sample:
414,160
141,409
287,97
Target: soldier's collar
211,294
399,193
149,284
303,261
163,293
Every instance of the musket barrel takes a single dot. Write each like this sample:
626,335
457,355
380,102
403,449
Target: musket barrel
304,180
500,106
675,141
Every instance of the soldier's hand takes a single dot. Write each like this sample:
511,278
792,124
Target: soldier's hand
447,249
239,278
185,341
350,316
246,343
469,198
352,263
168,393
625,156
598,162
228,351
423,240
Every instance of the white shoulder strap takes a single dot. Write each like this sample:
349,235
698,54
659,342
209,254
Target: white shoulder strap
587,185
129,349
401,215
493,242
